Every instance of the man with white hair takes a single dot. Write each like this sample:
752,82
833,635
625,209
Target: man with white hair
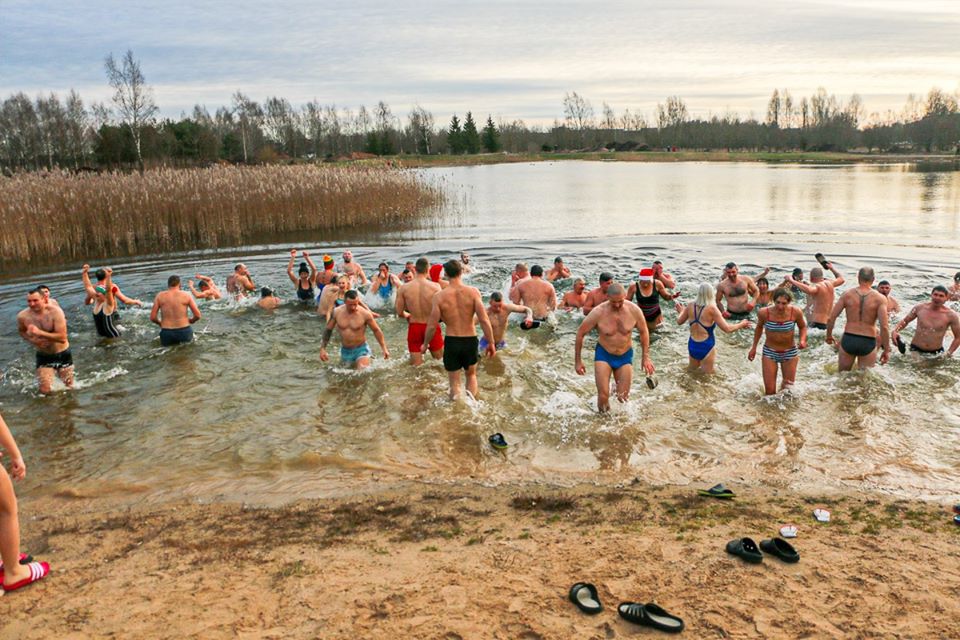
615,321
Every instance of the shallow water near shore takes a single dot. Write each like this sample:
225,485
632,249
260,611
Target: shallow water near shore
249,412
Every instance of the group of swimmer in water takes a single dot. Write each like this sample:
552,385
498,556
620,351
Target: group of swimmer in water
427,295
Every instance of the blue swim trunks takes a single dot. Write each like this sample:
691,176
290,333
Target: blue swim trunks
602,355
351,355
500,345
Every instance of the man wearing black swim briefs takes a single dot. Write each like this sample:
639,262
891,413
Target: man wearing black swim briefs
865,308
45,327
933,319
459,307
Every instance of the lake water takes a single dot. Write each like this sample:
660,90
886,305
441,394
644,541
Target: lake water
249,412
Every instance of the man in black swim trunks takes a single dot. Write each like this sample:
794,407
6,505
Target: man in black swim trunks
933,319
170,312
45,327
865,309
459,307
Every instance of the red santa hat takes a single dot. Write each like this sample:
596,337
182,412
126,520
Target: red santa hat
646,275
435,272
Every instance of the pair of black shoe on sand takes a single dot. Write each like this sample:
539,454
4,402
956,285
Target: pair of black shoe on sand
747,549
585,596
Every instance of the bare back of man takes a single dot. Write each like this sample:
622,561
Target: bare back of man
414,301
174,310
536,293
865,309
459,307
820,295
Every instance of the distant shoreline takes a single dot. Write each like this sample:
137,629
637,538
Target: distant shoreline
785,157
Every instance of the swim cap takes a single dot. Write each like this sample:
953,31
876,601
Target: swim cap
435,272
101,290
646,275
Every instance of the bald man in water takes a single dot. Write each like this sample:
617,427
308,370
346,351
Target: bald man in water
820,295
615,321
865,308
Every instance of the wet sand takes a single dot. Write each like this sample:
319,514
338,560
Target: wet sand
416,560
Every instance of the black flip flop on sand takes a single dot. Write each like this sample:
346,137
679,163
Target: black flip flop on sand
650,615
780,548
746,548
584,595
717,491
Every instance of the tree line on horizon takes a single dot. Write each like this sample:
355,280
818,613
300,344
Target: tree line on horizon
50,133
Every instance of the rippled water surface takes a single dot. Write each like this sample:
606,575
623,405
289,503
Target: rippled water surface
249,411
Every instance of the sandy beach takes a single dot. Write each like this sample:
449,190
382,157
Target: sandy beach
449,561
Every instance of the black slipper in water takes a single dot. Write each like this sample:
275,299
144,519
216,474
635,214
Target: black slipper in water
780,548
650,615
535,324
746,549
585,596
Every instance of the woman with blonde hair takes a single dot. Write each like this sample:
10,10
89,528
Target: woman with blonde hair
704,317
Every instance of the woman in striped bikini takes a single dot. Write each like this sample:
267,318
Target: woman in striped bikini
780,323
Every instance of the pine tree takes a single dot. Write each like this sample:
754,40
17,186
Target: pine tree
471,138
455,136
490,137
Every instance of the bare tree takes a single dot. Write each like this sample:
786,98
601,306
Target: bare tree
577,111
131,96
249,115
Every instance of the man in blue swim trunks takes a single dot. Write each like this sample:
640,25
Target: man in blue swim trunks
351,321
615,321
498,311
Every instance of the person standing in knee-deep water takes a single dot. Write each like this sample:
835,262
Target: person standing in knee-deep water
170,312
459,307
45,327
779,322
864,309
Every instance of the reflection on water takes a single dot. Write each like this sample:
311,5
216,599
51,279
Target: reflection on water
249,411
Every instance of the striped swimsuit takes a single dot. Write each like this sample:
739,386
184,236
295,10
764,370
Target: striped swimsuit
776,326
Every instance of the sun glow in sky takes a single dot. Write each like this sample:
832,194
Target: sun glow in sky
512,59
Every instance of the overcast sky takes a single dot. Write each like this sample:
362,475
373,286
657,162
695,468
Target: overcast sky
511,59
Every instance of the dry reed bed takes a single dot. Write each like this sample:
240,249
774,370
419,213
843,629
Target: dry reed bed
65,217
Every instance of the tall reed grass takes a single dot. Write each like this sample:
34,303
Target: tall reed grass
48,217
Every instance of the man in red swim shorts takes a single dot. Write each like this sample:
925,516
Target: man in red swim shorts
414,300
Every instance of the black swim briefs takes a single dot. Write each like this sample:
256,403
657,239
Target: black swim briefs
460,352
819,325
917,349
170,337
60,360
857,345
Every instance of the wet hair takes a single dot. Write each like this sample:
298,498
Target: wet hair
352,294
866,274
405,272
579,281
816,272
422,266
100,274
303,268
265,292
797,273
606,277
237,266
782,293
536,270
383,264
203,285
942,289
956,276
452,268
35,290
883,282
173,281
41,287
705,294
496,296
730,265
615,289
558,260
763,280
658,263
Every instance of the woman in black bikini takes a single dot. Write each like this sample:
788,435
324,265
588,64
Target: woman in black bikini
305,279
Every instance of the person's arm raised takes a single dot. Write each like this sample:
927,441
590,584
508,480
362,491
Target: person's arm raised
87,285
293,256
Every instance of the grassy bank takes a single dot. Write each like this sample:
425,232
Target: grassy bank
456,562
64,217
786,157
